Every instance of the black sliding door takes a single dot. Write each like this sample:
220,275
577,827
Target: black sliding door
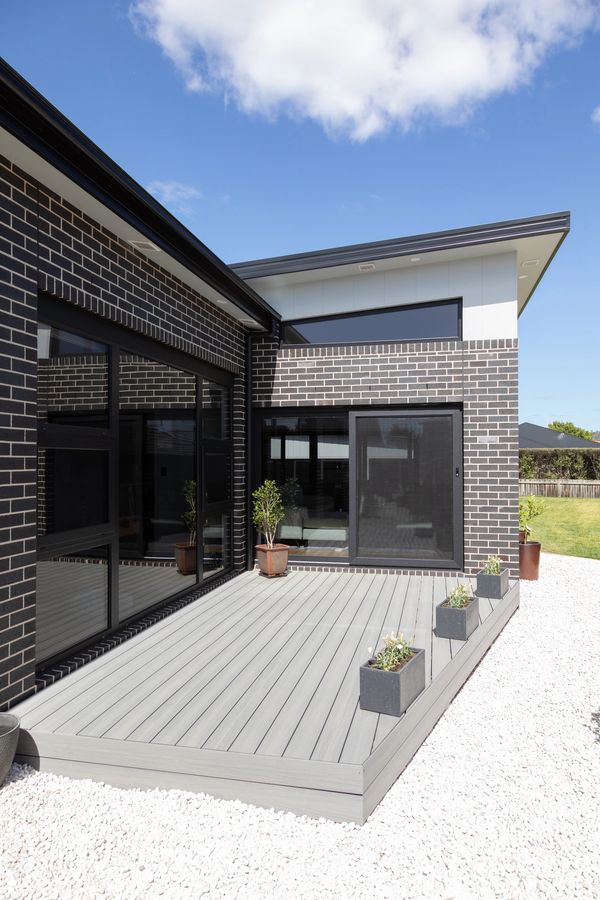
406,488
135,495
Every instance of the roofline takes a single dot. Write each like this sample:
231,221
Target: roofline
33,120
512,229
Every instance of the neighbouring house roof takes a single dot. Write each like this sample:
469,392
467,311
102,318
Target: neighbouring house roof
535,241
532,436
44,143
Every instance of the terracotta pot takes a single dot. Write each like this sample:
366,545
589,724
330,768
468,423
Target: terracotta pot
272,561
185,557
529,560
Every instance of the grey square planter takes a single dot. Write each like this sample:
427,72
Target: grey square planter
391,693
494,586
457,624
9,738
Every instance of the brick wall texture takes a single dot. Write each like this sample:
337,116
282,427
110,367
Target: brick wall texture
48,245
480,376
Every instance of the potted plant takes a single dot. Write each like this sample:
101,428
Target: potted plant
186,552
9,738
492,581
530,508
457,616
268,512
393,678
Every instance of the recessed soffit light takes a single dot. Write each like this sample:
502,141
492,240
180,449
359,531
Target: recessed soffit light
522,277
415,259
529,263
366,267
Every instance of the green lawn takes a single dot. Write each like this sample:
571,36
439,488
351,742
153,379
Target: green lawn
569,526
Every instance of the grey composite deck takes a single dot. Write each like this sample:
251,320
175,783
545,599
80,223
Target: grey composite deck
251,693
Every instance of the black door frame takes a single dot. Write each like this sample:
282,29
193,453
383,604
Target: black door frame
457,489
260,414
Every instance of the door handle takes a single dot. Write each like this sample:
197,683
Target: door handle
457,472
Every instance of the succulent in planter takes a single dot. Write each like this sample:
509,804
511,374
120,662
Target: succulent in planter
185,551
268,511
457,616
530,508
392,678
492,580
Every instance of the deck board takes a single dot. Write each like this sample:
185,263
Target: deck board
251,692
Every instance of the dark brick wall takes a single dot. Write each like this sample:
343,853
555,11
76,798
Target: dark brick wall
18,303
48,245
479,375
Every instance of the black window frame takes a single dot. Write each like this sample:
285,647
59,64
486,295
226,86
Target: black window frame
453,409
370,312
56,313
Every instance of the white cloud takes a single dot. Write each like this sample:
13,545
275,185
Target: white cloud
596,115
358,67
176,196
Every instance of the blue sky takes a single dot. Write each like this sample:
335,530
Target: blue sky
310,143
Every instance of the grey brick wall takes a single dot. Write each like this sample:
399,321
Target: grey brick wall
479,375
46,244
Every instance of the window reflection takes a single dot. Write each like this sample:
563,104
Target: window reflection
157,482
407,323
72,489
308,458
72,378
71,600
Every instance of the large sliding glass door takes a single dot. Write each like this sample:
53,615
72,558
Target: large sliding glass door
368,487
406,488
134,476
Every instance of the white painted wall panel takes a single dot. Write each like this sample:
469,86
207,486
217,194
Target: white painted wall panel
487,284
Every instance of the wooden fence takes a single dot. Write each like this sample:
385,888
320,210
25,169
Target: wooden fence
560,488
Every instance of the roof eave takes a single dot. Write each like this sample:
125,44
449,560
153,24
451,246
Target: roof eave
26,114
407,246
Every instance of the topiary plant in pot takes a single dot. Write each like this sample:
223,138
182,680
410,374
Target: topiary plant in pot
185,551
267,513
530,508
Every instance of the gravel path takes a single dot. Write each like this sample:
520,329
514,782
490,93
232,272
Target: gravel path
502,800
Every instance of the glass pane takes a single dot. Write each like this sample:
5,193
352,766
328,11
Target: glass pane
72,489
215,411
217,544
217,476
409,323
405,484
72,378
157,482
308,458
71,600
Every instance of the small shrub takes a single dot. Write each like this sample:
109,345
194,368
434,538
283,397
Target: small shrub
530,508
395,652
583,463
268,510
459,597
492,565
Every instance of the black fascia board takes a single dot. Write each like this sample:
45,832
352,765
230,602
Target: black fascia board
34,121
407,246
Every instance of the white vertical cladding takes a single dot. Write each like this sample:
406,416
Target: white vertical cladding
487,285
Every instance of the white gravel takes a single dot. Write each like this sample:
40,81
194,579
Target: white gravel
502,800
